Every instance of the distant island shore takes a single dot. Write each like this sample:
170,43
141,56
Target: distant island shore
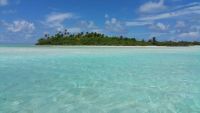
98,39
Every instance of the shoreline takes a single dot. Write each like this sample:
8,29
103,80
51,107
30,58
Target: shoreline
106,46
89,46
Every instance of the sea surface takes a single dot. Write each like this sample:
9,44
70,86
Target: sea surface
81,79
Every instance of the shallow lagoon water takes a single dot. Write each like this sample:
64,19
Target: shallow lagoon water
99,79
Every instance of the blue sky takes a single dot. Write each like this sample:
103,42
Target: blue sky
24,21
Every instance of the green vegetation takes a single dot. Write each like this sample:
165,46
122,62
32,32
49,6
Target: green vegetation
93,38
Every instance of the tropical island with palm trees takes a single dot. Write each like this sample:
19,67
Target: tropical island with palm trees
98,39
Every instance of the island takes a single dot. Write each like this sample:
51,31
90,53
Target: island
98,39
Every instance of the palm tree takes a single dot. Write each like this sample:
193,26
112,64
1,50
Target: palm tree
65,32
154,40
46,35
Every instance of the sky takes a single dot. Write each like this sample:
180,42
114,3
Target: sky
25,21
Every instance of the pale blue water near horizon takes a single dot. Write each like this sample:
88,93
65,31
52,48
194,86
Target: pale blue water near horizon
49,79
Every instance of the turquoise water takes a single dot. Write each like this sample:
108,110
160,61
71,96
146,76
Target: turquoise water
99,79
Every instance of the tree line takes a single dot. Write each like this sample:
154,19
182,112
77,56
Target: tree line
94,38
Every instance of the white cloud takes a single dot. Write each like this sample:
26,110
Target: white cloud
138,23
180,24
17,31
106,16
114,25
181,13
74,30
160,26
151,7
195,27
189,35
87,25
84,26
193,8
176,0
55,20
19,25
3,2
58,17
158,17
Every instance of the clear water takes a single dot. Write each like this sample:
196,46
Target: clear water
99,79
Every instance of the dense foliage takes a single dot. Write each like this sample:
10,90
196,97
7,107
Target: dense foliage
94,38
